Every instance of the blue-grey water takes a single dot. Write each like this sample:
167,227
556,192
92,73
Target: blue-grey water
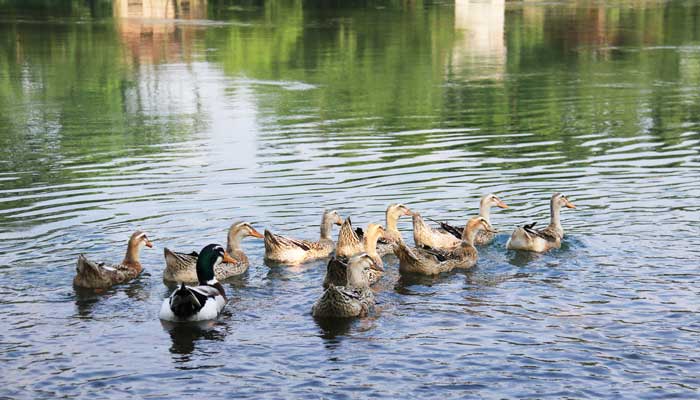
181,117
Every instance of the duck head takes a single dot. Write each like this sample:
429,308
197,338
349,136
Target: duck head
211,256
357,265
137,241
238,232
559,200
474,225
393,213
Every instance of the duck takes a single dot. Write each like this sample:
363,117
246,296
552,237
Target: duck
428,261
94,275
205,301
485,204
354,298
337,266
286,250
425,236
541,240
181,267
391,234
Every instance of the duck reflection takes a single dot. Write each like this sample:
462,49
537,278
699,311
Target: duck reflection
480,42
185,336
146,27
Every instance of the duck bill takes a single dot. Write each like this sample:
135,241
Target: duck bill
228,259
339,221
149,244
408,212
377,267
501,204
570,204
256,234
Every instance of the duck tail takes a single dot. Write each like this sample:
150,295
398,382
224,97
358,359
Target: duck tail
86,267
184,302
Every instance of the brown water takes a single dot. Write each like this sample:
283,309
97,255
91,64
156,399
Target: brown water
180,118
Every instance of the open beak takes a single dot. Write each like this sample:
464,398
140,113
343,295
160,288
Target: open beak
149,244
501,204
229,259
256,234
339,221
489,228
570,204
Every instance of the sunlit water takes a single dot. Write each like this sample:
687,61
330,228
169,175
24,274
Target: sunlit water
181,118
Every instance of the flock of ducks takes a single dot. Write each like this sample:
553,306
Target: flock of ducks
355,263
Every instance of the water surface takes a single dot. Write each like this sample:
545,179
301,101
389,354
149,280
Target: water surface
180,118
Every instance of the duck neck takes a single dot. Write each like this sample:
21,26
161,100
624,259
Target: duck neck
370,243
326,227
391,221
469,235
234,241
132,254
554,210
485,210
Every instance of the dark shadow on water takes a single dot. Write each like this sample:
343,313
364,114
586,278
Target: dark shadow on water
185,335
86,298
333,327
405,281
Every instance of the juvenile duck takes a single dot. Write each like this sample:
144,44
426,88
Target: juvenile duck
428,261
90,274
287,250
483,237
336,271
425,236
354,299
540,240
181,267
203,302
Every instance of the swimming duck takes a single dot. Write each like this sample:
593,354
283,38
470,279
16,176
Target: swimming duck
203,302
181,267
391,234
90,274
349,242
428,261
354,299
425,236
540,240
286,250
483,237
337,266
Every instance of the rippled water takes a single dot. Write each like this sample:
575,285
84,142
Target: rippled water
181,117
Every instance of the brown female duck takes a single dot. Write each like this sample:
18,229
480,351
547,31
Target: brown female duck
182,267
540,240
287,250
354,298
100,276
428,261
483,237
337,266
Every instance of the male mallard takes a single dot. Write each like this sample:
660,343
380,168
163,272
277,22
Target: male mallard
100,276
203,302
354,299
434,261
286,250
483,237
541,240
337,267
181,267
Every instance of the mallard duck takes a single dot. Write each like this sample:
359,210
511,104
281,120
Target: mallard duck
354,299
483,237
540,240
203,302
391,234
428,261
337,266
349,241
90,274
181,267
425,236
286,250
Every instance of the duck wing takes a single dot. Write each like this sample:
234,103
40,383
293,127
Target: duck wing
283,241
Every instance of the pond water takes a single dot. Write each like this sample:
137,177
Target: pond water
181,117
